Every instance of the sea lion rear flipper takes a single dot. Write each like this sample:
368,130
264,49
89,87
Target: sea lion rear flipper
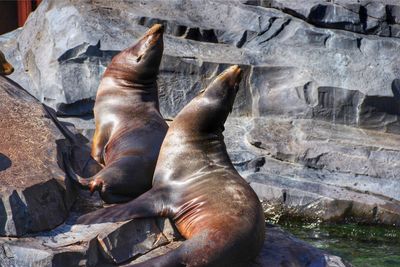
170,259
193,252
150,204
66,165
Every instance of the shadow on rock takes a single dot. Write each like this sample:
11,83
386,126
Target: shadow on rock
5,162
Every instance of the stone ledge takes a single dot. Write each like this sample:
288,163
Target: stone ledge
106,245
33,195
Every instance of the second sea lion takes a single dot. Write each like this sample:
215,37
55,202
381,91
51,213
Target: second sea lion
129,126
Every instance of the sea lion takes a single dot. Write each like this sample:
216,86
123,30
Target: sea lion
196,185
129,127
5,67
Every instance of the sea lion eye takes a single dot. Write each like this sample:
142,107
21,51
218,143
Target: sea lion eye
139,58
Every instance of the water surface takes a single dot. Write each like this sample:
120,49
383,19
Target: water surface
361,245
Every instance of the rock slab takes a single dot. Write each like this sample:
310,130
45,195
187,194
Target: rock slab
316,74
33,194
102,245
318,171
302,59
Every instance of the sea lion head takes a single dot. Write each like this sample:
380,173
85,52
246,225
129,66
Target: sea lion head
208,111
5,67
141,62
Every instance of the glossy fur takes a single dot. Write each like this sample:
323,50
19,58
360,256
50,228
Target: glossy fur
196,185
129,127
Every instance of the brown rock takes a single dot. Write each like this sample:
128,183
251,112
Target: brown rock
34,196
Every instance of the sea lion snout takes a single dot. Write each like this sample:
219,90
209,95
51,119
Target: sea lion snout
226,85
144,57
156,28
232,76
209,110
153,35
152,40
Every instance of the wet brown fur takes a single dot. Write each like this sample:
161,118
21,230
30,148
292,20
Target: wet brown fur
196,185
129,127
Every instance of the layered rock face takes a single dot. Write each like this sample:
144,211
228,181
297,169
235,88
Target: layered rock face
314,129
33,194
315,125
329,60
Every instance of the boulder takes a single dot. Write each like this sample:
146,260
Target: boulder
313,59
33,194
317,171
313,83
280,249
116,244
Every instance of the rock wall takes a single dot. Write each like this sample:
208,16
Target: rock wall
317,74
33,193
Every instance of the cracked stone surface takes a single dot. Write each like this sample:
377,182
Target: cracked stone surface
33,194
315,125
302,59
316,170
119,244
314,128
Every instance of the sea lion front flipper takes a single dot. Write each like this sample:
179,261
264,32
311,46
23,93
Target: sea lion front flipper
190,253
100,139
150,204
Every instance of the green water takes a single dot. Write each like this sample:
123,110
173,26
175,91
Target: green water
362,246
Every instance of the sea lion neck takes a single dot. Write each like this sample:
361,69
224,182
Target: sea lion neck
196,153
142,94
132,75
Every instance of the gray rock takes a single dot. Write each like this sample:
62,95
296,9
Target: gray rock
86,245
311,70
367,17
280,249
293,69
303,64
316,170
130,240
33,194
77,245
